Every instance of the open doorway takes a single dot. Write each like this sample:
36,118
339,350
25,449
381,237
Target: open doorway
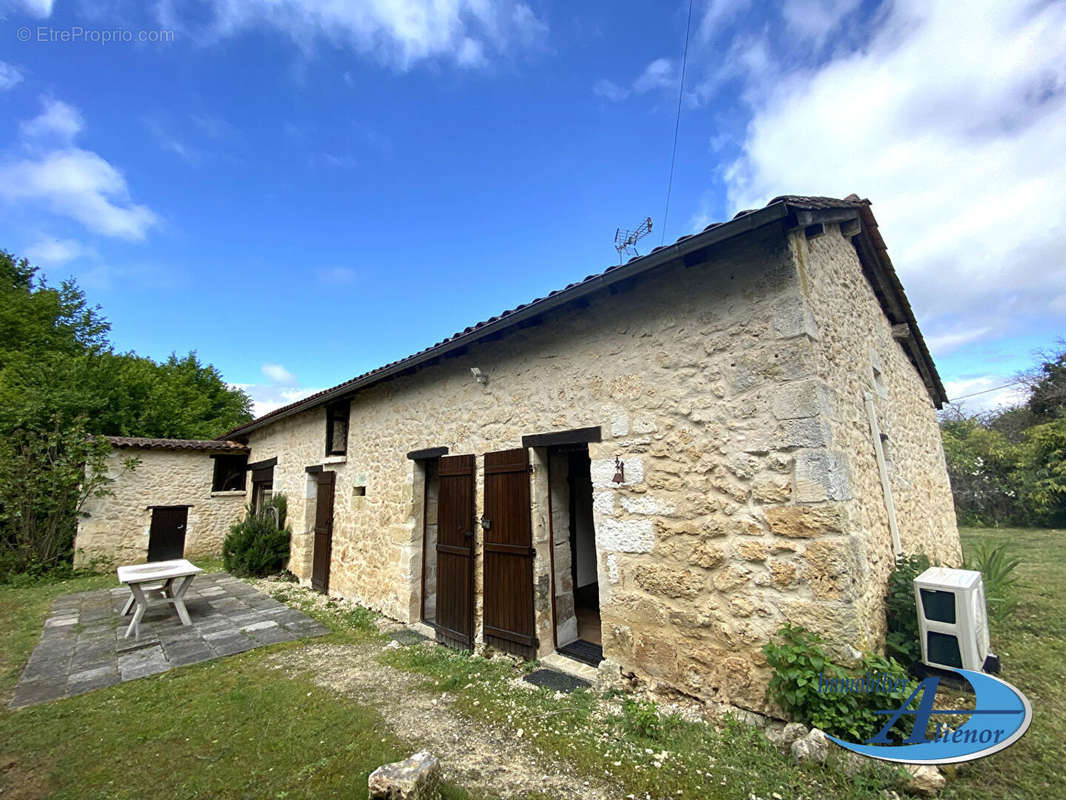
577,590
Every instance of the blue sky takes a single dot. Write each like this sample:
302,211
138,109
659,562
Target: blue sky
301,192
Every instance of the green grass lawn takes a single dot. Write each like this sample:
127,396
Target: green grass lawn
237,728
1031,644
230,728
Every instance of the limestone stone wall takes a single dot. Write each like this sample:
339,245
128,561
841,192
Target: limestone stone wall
857,356
679,372
721,390
116,528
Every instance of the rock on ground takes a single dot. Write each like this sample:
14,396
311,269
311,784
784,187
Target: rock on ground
924,779
415,778
812,747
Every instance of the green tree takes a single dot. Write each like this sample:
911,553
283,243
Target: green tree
1047,384
982,464
56,362
1042,472
45,478
61,384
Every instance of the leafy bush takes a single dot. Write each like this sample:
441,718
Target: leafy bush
996,566
258,545
800,686
902,640
641,717
46,476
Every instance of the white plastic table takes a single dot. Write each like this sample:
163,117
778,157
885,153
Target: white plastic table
161,576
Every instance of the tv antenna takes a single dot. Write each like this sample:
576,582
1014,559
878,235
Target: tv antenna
625,241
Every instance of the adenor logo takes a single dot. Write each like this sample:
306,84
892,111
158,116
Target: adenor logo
1001,715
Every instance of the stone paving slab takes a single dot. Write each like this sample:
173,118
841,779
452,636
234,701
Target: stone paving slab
83,645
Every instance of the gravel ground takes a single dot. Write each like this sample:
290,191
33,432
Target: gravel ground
480,757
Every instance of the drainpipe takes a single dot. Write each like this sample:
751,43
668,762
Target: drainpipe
882,469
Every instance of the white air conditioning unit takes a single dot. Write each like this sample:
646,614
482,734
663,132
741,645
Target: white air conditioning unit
952,618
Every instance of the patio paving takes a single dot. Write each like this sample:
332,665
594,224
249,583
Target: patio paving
82,647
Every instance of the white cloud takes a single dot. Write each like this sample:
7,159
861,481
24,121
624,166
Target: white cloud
59,122
267,398
398,34
659,74
56,251
38,8
986,392
81,185
943,342
717,14
278,374
70,181
10,76
953,121
814,20
609,90
171,143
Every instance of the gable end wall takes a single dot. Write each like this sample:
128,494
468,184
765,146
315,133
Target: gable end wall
854,337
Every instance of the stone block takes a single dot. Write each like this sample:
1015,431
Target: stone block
647,504
830,568
751,550
821,475
668,582
706,554
415,778
770,487
805,522
784,574
802,399
809,432
656,656
625,535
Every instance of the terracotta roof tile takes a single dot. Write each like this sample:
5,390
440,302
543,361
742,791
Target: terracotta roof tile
785,201
148,443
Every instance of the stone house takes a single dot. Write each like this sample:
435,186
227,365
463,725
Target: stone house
179,499
657,466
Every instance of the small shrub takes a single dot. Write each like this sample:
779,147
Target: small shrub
641,717
800,666
996,565
258,545
902,640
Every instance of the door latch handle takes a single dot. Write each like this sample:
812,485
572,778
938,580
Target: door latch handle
486,523
468,534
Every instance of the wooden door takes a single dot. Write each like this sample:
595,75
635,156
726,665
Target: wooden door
323,551
455,551
166,536
508,554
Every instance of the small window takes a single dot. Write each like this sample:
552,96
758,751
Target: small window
337,429
229,473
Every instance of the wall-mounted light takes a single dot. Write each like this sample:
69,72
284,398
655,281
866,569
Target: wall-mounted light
619,471
482,379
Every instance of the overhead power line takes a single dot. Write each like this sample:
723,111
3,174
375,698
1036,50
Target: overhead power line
986,391
677,121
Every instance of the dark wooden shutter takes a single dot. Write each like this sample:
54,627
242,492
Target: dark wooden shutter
509,551
323,551
455,551
166,535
